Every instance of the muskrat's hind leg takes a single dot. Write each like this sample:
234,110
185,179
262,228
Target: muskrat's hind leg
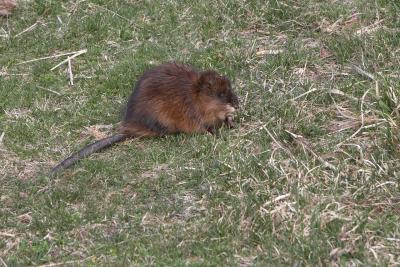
134,130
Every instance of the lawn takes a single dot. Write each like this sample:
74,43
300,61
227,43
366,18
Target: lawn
309,176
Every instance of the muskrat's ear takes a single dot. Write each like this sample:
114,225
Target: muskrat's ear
206,80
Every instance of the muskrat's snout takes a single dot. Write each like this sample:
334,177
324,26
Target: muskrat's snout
235,101
235,105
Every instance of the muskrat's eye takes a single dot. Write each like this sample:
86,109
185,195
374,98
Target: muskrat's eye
221,95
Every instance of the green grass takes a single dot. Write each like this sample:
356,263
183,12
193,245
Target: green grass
310,175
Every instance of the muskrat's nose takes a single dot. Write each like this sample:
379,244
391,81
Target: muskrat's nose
235,102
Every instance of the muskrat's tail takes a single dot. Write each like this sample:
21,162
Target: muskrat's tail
86,151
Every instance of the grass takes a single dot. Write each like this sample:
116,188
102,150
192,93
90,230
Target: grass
310,176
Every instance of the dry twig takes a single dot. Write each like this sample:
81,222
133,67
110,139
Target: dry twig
300,140
49,57
30,28
71,76
362,120
80,52
362,72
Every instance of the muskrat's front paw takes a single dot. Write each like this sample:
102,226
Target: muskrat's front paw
229,121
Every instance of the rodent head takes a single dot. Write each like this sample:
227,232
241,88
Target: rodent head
218,87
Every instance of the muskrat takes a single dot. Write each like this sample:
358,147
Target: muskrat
168,99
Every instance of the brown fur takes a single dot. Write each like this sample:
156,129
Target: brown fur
168,99
6,6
